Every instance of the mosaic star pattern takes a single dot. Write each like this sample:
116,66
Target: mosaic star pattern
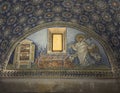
17,16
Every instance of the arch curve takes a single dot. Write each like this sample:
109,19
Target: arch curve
86,30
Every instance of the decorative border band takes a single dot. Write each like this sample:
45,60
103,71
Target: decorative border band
57,74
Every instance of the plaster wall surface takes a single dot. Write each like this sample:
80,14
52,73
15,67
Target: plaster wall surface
28,85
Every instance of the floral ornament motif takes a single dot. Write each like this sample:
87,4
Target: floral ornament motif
38,12
77,9
100,27
117,17
11,20
115,41
66,14
84,18
4,44
17,8
49,15
17,30
95,17
7,31
32,20
88,7
48,4
57,9
67,3
114,4
111,28
29,9
2,20
106,16
4,7
22,19
101,5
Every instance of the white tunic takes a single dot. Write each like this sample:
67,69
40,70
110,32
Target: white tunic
82,50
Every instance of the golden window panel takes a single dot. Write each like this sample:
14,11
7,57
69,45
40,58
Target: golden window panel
56,40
